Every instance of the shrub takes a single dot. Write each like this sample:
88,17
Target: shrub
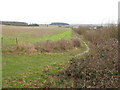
27,47
97,70
81,30
100,68
113,30
76,42
48,46
101,35
55,46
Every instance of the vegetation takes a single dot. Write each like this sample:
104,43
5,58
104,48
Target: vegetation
99,69
49,46
59,24
52,60
29,70
14,23
21,58
33,34
33,25
81,30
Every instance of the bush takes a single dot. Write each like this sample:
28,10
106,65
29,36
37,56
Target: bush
81,30
96,70
100,68
103,34
56,46
27,47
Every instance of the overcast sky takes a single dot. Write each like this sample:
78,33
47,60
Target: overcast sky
69,11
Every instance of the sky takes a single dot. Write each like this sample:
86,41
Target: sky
68,11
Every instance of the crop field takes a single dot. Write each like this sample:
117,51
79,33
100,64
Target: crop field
27,69
33,34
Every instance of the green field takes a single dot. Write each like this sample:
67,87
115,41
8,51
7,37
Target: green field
29,67
33,34
28,70
67,34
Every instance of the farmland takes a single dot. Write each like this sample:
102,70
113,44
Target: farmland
50,57
33,34
26,69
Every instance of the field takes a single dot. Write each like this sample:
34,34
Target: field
58,57
27,69
33,34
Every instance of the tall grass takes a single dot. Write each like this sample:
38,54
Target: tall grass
107,32
81,30
49,46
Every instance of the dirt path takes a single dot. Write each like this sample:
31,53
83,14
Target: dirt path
86,51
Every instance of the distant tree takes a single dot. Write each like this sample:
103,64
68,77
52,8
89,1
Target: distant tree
33,25
99,27
59,24
14,23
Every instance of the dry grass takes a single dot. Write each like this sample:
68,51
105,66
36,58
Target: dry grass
27,47
48,46
81,30
100,35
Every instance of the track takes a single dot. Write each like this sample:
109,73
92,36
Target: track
86,51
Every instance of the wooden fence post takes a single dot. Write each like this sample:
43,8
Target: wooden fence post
16,41
1,40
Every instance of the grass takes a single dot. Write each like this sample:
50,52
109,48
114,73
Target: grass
8,41
29,70
20,70
99,69
19,65
65,35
